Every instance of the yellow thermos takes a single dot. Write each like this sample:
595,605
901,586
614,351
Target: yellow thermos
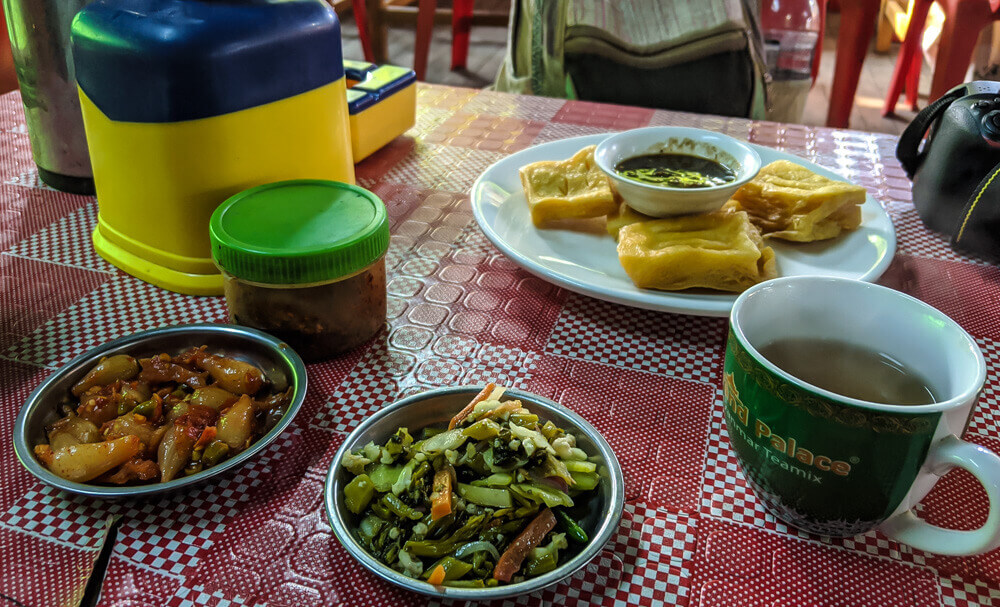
187,102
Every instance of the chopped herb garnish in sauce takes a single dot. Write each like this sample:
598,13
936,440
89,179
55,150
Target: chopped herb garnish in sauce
675,170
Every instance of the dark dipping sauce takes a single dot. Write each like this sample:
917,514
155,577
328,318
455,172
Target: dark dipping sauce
319,321
675,171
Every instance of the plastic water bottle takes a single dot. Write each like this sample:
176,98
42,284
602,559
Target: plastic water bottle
791,36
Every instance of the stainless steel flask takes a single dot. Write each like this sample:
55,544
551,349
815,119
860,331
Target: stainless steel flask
39,39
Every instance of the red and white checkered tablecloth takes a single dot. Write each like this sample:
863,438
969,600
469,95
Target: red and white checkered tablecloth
460,312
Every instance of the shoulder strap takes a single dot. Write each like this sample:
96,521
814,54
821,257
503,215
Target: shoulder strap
979,230
908,149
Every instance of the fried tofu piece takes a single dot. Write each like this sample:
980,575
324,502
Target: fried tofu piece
624,215
788,201
720,250
567,189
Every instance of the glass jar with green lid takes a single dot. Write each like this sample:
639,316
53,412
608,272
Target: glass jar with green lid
304,260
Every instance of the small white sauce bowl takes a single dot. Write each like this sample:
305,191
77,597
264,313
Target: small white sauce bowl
664,201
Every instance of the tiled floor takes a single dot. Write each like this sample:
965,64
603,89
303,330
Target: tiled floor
489,47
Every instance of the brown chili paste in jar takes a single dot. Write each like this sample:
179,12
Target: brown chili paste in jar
305,261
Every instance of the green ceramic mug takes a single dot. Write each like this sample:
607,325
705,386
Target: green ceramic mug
839,466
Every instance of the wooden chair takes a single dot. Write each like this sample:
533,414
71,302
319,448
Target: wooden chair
375,16
962,23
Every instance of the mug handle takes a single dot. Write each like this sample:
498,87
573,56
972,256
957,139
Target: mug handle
952,452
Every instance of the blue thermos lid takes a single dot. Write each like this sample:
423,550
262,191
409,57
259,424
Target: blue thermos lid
174,60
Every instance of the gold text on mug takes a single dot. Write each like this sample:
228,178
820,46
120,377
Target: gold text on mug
787,447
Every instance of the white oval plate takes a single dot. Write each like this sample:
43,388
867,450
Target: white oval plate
588,263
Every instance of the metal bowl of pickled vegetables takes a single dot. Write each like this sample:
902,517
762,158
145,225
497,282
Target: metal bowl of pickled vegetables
474,493
159,410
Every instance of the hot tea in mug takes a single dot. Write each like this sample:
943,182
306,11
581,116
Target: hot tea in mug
844,402
849,370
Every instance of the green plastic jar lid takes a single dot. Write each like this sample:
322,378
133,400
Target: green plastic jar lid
299,232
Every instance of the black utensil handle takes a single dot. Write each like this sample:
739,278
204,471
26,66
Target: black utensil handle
92,592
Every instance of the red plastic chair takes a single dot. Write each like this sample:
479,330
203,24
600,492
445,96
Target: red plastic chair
461,25
857,25
819,42
963,21
372,15
8,75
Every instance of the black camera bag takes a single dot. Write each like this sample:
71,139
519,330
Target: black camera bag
956,174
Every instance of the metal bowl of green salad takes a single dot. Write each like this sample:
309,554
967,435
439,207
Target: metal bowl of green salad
474,493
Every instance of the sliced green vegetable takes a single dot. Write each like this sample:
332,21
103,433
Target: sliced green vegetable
431,431
487,405
483,564
445,546
516,525
585,481
502,512
384,476
544,559
381,511
215,452
371,451
551,497
433,527
391,552
453,568
358,493
554,466
475,547
573,530
419,483
500,479
405,477
482,430
423,469
397,442
485,496
369,527
400,509
450,439
543,564
429,547
551,431
524,419
146,408
578,466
